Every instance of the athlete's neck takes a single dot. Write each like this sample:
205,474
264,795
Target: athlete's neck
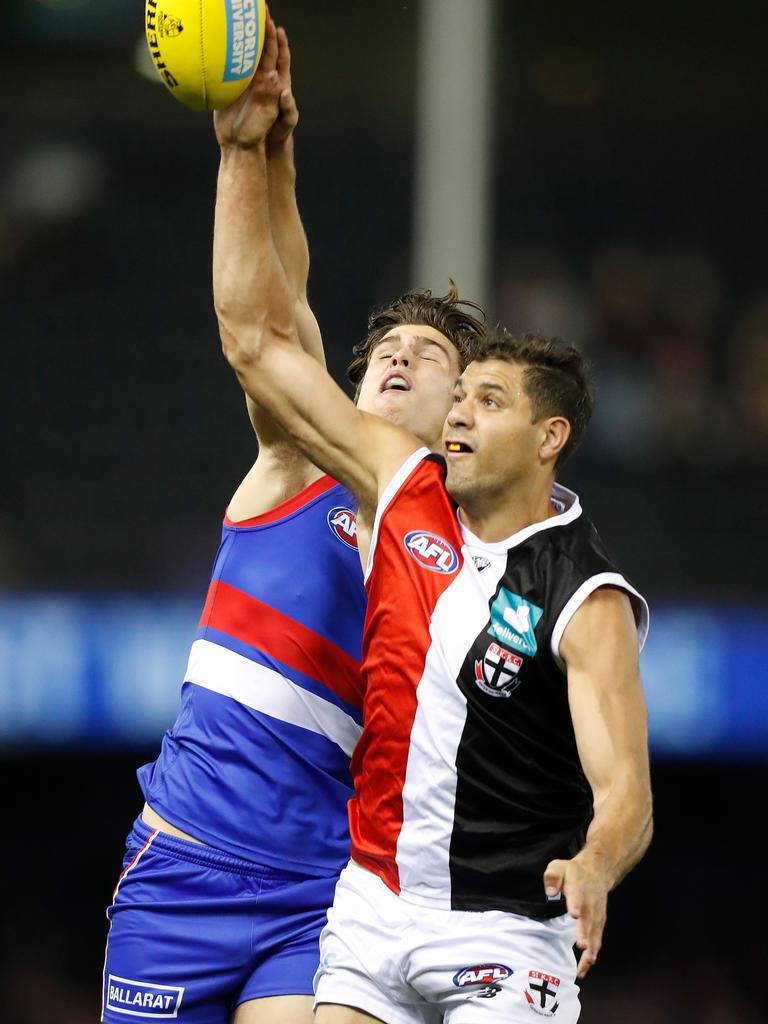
498,519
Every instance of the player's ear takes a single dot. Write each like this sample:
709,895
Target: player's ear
555,432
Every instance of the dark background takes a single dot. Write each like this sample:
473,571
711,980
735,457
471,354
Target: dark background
629,216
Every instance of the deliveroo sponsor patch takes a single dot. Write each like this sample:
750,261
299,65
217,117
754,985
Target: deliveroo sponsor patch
513,621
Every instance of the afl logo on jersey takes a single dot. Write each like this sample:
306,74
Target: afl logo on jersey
343,523
431,551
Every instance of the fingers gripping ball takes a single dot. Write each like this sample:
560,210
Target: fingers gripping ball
205,51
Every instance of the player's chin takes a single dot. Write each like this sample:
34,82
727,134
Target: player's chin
382,403
392,409
458,480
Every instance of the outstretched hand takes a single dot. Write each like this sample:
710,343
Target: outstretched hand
288,113
585,884
247,122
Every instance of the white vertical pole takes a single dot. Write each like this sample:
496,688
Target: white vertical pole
454,114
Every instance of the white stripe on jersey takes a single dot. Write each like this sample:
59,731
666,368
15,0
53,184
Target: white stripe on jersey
602,579
423,851
256,686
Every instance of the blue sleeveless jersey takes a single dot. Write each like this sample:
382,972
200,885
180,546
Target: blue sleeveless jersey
257,763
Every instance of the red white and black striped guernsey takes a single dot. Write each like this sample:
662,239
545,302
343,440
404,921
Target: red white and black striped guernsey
467,776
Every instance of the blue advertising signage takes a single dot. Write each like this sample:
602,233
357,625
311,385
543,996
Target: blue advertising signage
107,672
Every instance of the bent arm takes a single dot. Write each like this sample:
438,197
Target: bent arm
257,323
608,710
605,693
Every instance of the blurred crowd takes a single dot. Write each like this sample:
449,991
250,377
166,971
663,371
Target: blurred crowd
682,363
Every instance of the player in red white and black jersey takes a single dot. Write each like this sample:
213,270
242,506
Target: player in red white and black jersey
501,781
468,692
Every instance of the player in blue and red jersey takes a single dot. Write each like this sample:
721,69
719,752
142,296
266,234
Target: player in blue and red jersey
234,858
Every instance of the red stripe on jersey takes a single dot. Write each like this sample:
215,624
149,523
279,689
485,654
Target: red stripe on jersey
285,508
402,594
249,620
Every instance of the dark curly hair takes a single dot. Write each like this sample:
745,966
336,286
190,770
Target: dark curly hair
556,379
461,321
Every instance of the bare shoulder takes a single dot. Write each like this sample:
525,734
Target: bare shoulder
606,600
604,620
278,474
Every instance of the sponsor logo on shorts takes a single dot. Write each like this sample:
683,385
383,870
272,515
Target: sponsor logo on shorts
496,674
431,551
513,621
481,974
242,39
343,522
541,993
142,998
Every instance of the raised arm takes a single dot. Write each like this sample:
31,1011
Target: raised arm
285,221
280,469
600,650
287,228
257,320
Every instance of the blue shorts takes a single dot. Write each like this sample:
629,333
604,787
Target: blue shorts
194,932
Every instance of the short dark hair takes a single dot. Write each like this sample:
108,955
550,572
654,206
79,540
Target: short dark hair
556,379
462,322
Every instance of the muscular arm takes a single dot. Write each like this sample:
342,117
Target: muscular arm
277,100
288,235
287,229
257,323
280,469
600,651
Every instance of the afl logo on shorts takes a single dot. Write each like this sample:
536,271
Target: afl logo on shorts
431,551
344,524
481,974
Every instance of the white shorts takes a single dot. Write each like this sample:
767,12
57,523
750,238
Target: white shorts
406,963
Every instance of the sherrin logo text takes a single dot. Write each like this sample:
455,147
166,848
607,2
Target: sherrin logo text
431,551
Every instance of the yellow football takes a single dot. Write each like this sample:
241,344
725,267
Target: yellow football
205,51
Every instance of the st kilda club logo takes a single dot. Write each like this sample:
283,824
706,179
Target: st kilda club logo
496,672
343,523
541,993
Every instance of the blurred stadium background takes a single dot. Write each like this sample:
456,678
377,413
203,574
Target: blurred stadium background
626,210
